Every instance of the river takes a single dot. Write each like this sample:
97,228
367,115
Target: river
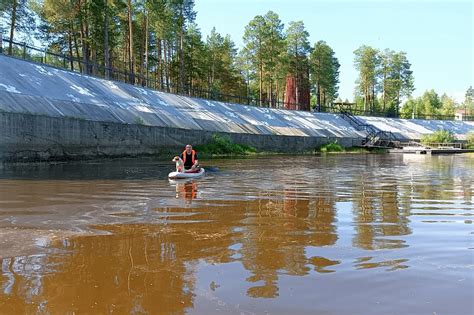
329,234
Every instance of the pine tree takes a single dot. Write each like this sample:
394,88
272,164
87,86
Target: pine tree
274,49
469,102
366,63
254,40
20,18
298,51
182,13
324,74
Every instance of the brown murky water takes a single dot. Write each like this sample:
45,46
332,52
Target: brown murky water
345,234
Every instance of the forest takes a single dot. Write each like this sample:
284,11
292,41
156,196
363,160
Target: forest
157,44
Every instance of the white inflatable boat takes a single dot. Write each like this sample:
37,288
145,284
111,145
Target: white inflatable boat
178,175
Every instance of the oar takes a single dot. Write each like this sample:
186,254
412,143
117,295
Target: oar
211,168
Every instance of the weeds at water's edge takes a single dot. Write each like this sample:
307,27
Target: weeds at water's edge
470,140
222,146
334,147
330,147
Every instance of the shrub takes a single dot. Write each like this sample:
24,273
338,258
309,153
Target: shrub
139,121
470,139
224,145
439,136
330,147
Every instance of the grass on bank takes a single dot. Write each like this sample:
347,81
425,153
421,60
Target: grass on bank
334,147
223,145
439,136
330,147
470,140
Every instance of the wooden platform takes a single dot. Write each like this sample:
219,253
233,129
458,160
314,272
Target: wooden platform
419,150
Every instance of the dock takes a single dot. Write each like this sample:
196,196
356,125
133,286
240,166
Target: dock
435,148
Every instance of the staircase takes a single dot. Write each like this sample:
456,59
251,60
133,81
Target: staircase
375,138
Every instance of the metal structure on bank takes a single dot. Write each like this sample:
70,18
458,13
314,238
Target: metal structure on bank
62,61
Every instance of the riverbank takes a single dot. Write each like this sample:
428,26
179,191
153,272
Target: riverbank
221,146
48,114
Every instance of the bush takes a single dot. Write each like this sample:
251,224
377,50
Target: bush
330,147
470,139
224,145
139,121
439,136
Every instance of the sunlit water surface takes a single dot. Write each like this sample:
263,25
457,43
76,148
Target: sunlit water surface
335,234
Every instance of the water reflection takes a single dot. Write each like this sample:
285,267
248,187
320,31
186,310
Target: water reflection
367,263
322,264
122,274
271,234
378,214
186,189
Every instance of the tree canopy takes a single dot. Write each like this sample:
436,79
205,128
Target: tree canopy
157,43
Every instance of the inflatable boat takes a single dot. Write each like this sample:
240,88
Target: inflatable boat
187,174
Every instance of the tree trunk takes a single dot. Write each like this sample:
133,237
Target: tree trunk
83,48
84,44
166,65
94,61
181,50
373,98
76,47
260,95
141,60
160,62
146,50
366,98
319,94
213,72
270,93
173,80
130,45
12,26
190,75
106,42
125,56
297,100
397,104
277,92
384,90
71,61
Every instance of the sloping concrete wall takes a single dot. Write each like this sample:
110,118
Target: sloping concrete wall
36,89
414,129
49,113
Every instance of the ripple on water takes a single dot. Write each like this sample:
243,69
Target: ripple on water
299,234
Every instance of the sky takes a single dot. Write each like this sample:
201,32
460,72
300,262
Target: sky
436,35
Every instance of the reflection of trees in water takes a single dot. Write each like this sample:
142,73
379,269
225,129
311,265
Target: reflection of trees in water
137,269
23,274
441,177
466,182
322,264
151,268
275,241
378,214
391,264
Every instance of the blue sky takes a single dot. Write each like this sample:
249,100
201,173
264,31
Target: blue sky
436,35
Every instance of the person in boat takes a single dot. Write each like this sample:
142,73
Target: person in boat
190,159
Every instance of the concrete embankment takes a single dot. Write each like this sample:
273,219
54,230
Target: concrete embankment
52,114
27,137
